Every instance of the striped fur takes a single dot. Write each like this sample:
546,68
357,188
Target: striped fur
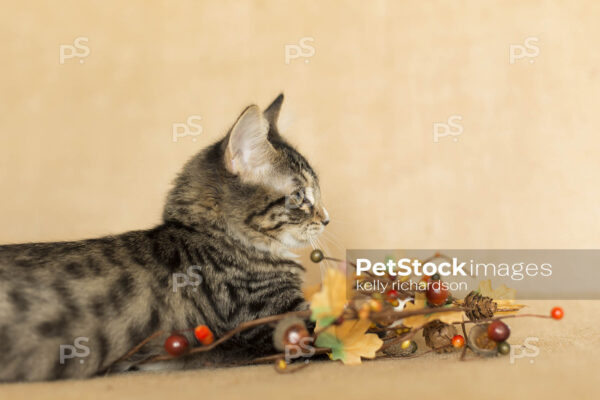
235,223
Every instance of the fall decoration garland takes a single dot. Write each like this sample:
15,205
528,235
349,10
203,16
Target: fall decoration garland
350,325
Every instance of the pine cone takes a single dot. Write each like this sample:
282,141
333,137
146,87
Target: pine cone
438,335
479,307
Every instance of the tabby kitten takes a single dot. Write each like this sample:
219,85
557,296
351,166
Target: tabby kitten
71,309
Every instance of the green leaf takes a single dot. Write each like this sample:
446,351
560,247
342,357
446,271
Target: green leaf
328,340
318,311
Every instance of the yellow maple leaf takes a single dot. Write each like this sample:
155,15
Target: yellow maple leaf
503,296
349,341
502,292
328,304
310,291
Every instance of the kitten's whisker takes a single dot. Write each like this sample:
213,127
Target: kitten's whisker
337,248
327,251
329,236
340,250
314,246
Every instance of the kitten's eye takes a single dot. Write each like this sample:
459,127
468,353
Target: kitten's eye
295,199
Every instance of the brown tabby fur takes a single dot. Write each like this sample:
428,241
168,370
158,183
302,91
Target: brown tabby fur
235,210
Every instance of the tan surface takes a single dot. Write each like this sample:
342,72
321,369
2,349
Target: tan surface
565,368
86,149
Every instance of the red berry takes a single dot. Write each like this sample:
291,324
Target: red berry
498,331
392,294
557,313
437,293
458,341
204,334
176,345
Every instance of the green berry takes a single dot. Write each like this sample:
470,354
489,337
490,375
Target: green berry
316,256
503,348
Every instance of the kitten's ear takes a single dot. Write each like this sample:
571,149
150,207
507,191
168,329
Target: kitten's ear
248,152
272,112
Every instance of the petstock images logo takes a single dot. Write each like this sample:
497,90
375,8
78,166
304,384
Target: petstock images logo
533,274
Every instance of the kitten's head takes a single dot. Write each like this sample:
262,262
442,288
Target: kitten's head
253,184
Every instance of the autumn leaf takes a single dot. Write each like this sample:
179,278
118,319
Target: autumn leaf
310,291
349,342
503,296
501,293
419,320
328,304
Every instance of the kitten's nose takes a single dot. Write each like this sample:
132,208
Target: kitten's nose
324,216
